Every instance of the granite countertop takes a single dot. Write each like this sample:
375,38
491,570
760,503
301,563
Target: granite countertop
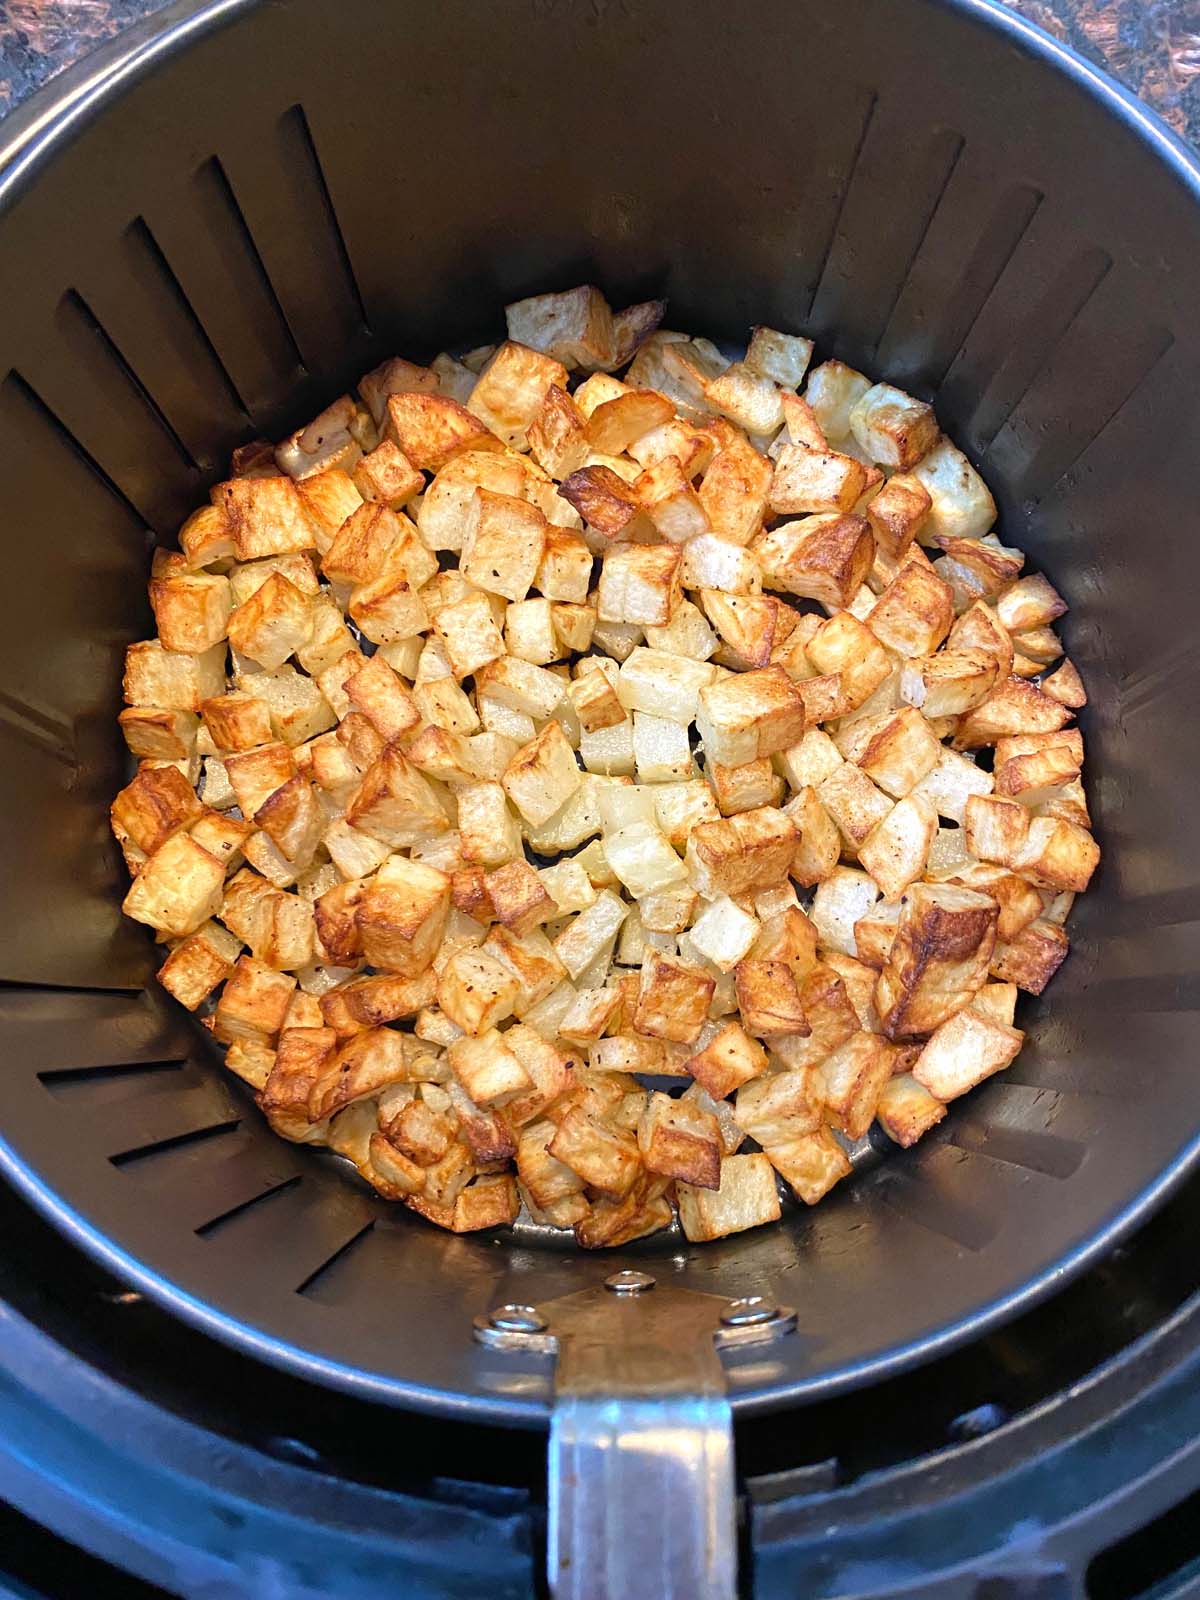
1153,46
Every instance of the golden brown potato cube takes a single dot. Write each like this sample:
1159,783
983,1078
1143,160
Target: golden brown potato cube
294,818
616,423
253,1002
594,697
395,376
420,1131
807,480
395,803
470,635
1066,686
237,721
609,505
574,327
1031,602
896,749
387,477
744,788
156,804
810,1164
191,611
674,507
432,429
328,497
777,1106
1013,707
786,935
223,837
747,623
337,928
605,1158
824,557
402,914
640,584
747,398
362,545
556,436
266,517
673,999
476,991
893,428
746,1199
748,715
388,609
360,1067
1057,855
503,542
565,572
979,629
508,393
247,577
442,754
300,1061
735,488
768,998
273,623
543,775
897,514
1035,777
738,854
873,935
730,1059
1032,957
519,897
256,774
949,683
488,829
938,960
391,1172
963,1051
489,1201
469,893
997,830
897,849
487,1069
854,804
169,680
381,695
906,1110
679,1140
206,538
844,645
370,1002
252,1060
198,964
914,613
852,1078
818,842
1019,901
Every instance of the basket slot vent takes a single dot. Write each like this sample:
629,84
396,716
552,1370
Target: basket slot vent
891,198
928,1192
1047,1153
234,1183
1047,282
172,1141
312,1285
52,1031
64,1079
970,240
291,1240
286,208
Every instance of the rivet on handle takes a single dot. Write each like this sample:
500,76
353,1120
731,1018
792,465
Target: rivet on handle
629,1282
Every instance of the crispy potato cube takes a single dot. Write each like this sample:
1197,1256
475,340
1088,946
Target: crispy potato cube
824,557
747,398
273,623
724,933
786,935
674,507
963,1051
237,721
854,803
898,513
1033,955
574,327
730,1059
521,686
395,803
519,897
1057,855
605,1158
896,749
744,788
531,959
746,622
293,817
594,697
487,828
893,428
610,506
557,438
950,784
387,609
844,645
253,1002
380,694
574,626
401,916
158,803
199,963
546,1178
734,490
170,680
745,1199
806,481
615,423
852,1077
833,390
947,684
962,506
679,1140
906,1110
1066,686
738,854
370,1002
782,357
206,539
914,613
362,1065
487,1069
508,393
896,851
363,544
1032,602
680,807
768,998
639,584
266,517
387,477
543,775
749,715
503,542
673,999
300,1062
476,992
1035,777
978,628
997,830
810,1164
939,959
191,611
432,429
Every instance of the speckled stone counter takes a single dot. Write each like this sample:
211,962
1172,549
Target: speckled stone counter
1153,46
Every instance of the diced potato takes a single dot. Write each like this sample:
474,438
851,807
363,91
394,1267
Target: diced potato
961,503
724,933
810,1164
963,1051
824,557
746,1199
509,392
542,777
939,958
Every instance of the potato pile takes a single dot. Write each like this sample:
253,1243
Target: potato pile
605,796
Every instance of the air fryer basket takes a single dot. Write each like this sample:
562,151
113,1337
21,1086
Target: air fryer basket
223,238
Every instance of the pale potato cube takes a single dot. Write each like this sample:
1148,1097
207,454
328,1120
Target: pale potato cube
782,357
806,481
382,696
476,992
841,900
963,1051
906,1110
852,1078
746,1198
266,516
170,680
810,1164
747,398
529,632
744,788
893,428
833,390
663,685
178,887
273,623
665,490
487,1069
639,584
724,933
642,859
949,683
680,807
895,749
503,542
522,686
711,561
896,852
961,503
590,932
543,775
950,784
568,885
809,762
609,751
662,751
845,645
487,828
